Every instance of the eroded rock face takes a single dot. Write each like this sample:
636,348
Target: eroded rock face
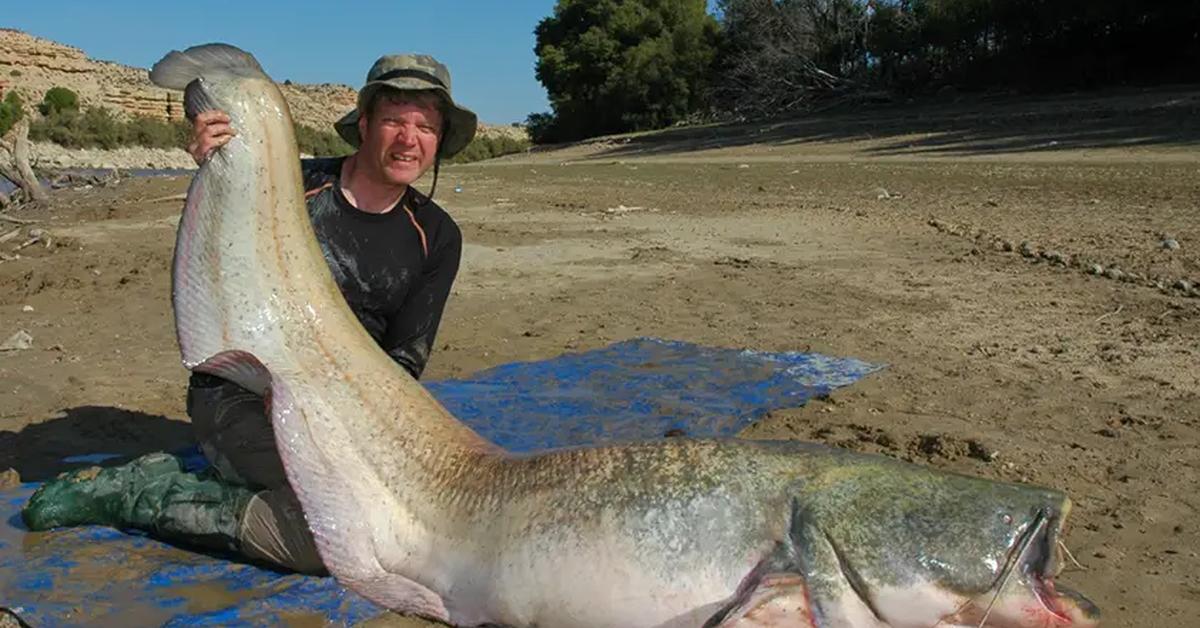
31,65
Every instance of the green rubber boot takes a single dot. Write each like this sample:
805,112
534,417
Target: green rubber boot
94,495
152,494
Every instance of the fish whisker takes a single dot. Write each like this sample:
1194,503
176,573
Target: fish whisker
1066,552
1014,560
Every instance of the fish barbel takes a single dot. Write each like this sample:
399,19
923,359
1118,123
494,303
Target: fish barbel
414,510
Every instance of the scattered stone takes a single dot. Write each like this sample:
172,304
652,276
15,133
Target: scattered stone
1056,258
1114,273
9,478
17,342
622,209
1006,246
1184,285
1027,250
979,451
27,308
1170,244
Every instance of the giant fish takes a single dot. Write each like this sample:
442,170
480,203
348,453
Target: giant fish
414,510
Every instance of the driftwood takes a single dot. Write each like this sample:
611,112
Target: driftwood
16,144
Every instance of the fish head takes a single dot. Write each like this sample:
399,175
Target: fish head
1026,556
925,547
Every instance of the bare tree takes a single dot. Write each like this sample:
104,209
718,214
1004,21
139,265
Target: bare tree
784,54
15,167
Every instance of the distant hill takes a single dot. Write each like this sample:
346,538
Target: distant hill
32,65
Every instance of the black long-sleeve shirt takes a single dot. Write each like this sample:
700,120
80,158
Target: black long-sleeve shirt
395,269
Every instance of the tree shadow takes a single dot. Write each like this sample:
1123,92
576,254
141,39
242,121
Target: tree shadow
86,436
972,126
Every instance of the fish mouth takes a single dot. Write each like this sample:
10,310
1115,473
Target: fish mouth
1040,555
1042,559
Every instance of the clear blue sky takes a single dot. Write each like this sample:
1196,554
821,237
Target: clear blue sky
488,44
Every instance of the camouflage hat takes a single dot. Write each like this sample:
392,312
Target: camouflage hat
414,72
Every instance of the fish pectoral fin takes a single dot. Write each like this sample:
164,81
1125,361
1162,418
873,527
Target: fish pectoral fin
337,507
779,599
239,367
401,595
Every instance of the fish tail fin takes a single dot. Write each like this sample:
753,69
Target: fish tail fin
187,70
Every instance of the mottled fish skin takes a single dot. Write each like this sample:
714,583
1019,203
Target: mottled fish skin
416,511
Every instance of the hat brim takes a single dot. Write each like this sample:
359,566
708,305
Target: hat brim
461,122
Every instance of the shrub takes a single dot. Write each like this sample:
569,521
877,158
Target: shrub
58,99
99,128
489,146
10,111
321,143
155,133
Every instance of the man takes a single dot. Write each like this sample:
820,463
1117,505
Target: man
393,252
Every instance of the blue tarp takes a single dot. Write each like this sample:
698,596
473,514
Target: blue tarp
634,390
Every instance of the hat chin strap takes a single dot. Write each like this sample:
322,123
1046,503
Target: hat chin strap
437,162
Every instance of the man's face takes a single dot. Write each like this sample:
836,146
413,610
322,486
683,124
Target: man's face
400,138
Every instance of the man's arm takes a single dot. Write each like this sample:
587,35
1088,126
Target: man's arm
412,330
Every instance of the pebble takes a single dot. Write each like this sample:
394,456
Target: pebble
1114,273
27,308
17,342
9,478
1096,269
1027,250
1170,244
1184,285
1056,258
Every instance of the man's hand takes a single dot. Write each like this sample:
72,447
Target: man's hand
210,131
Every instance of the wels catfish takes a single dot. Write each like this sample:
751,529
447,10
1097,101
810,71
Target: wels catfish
417,512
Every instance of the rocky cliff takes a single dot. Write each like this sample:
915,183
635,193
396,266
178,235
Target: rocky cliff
31,65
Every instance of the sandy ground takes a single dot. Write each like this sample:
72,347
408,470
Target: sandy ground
778,237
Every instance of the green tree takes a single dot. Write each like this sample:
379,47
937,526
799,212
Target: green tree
611,66
10,111
58,99
780,55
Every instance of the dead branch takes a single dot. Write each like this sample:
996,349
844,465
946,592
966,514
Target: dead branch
16,144
17,221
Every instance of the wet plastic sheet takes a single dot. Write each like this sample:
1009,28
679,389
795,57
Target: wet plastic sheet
634,390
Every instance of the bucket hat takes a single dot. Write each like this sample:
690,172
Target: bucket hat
414,72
